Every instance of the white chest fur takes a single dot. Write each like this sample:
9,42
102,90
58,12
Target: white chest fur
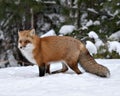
28,53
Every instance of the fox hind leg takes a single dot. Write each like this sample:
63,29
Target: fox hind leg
74,67
48,69
64,69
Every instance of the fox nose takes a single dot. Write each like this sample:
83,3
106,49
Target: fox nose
20,47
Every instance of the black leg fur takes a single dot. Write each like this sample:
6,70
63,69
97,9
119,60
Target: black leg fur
41,71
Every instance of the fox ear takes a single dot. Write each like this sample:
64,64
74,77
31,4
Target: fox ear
32,32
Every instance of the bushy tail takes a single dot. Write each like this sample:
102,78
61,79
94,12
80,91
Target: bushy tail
91,66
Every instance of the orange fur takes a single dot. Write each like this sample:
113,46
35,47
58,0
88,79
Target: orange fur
60,48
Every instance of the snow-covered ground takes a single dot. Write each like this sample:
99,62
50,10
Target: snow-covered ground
24,81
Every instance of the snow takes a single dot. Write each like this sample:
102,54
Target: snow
66,29
91,47
62,2
96,22
84,28
113,14
49,33
118,4
114,46
92,10
49,2
83,19
93,35
24,81
45,26
98,42
11,58
17,2
85,24
89,23
59,18
1,35
115,36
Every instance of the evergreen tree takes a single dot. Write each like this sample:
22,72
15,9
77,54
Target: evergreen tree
104,16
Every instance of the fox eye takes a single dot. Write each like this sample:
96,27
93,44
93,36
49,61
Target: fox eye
27,41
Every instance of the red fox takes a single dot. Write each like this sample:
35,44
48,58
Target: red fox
70,51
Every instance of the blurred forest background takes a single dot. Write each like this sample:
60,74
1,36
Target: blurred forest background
99,16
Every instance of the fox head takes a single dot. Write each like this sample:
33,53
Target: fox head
25,38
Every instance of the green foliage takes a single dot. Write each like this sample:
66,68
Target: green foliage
104,53
107,55
18,9
65,11
113,54
16,13
108,14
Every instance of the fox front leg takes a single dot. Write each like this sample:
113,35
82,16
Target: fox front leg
41,71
